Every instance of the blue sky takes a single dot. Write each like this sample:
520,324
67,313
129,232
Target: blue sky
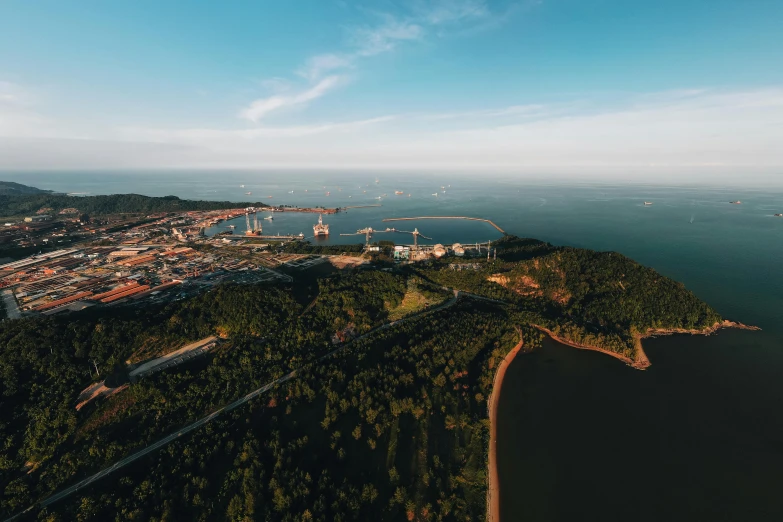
461,83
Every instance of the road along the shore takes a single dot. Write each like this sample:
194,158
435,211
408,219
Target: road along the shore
212,416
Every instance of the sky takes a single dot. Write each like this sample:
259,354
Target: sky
663,85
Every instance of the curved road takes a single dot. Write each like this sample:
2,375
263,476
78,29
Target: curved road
237,403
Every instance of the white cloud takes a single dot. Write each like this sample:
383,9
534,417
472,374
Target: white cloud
259,108
366,41
318,65
533,110
370,41
231,138
449,11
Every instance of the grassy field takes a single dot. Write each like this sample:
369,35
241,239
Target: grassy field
414,301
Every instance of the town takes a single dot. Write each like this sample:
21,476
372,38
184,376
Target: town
167,256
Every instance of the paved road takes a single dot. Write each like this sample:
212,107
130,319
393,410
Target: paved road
212,416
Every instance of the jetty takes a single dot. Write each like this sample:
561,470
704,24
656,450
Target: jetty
449,217
361,206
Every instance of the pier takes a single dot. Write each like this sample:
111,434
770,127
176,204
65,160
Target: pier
449,217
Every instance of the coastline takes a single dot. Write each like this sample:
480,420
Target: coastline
641,361
493,494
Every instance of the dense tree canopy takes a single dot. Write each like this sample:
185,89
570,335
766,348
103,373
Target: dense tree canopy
392,425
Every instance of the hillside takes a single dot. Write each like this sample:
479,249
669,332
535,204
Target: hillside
600,300
10,188
392,426
18,205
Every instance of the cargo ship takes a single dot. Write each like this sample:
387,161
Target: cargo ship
320,229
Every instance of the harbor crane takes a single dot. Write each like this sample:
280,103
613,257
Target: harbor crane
416,235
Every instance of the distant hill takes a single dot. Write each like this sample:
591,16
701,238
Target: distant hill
10,188
24,204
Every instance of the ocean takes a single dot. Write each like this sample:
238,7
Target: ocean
698,436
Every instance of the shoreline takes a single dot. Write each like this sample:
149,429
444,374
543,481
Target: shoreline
493,494
641,361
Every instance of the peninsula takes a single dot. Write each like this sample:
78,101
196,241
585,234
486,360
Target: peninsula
338,383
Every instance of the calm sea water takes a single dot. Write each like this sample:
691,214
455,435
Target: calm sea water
699,436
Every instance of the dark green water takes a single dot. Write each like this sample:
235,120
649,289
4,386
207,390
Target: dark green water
698,436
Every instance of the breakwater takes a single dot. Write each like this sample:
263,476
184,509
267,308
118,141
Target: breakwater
449,217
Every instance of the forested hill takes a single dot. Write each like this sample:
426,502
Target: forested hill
597,299
11,188
392,427
17,205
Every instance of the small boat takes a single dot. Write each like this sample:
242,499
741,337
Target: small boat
248,193
378,198
232,226
778,215
738,202
241,186
269,218
376,180
399,192
647,203
269,197
328,193
290,191
435,194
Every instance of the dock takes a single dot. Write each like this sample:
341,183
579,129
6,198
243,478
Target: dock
449,217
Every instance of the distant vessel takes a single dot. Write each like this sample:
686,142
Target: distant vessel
290,191
647,203
248,193
435,194
232,226
376,180
778,215
320,229
270,197
379,198
269,218
409,195
241,186
738,202
399,192
328,193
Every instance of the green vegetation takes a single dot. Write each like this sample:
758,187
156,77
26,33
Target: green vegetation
305,247
600,299
10,188
27,204
393,426
418,296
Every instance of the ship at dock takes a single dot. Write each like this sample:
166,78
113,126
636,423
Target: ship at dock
320,229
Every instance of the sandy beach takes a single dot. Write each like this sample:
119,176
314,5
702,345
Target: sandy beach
493,488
